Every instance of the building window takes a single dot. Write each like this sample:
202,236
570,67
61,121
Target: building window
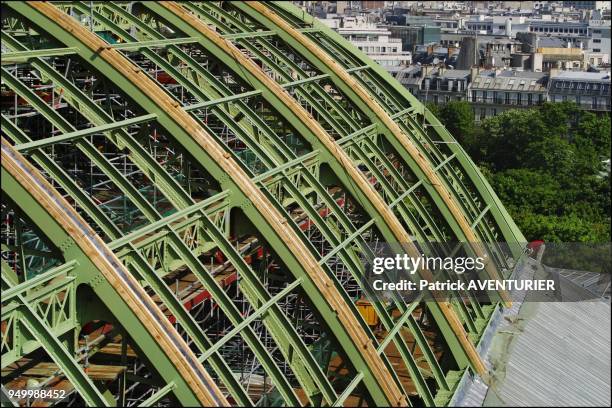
596,49
507,98
596,40
529,99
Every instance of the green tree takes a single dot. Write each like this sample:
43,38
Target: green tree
568,228
505,137
558,117
528,191
595,130
458,117
545,164
553,155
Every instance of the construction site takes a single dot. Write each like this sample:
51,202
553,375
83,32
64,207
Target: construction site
190,192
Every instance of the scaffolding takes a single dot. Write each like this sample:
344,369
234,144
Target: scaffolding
220,192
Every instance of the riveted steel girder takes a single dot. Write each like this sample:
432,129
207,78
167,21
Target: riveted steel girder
242,158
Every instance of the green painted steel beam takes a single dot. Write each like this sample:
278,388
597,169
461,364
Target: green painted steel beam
158,395
64,180
84,145
219,101
154,226
22,56
255,34
21,288
78,134
134,46
251,34
503,219
187,322
177,23
208,162
88,273
390,237
282,167
250,319
58,352
173,191
9,274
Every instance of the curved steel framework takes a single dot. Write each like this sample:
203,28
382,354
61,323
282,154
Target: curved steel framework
190,193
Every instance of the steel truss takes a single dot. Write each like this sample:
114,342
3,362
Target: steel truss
191,191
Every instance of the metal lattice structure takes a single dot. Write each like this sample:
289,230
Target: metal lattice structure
189,191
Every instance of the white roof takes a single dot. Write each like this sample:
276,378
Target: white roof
582,76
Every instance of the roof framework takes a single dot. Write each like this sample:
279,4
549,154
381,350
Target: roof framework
190,193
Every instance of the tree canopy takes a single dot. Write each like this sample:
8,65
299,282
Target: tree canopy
546,165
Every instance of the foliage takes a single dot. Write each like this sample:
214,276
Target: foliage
545,164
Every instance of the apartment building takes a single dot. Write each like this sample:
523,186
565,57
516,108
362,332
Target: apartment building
590,90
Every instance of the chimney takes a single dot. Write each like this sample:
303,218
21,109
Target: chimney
425,71
473,73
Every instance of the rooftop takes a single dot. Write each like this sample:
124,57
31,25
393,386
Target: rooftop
551,42
454,73
582,76
511,80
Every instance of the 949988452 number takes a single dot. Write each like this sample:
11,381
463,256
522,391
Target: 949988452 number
36,394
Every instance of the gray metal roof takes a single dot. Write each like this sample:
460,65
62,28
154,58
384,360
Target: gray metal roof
582,76
545,353
511,81
559,355
455,73
551,42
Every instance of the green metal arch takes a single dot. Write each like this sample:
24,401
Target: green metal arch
284,178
